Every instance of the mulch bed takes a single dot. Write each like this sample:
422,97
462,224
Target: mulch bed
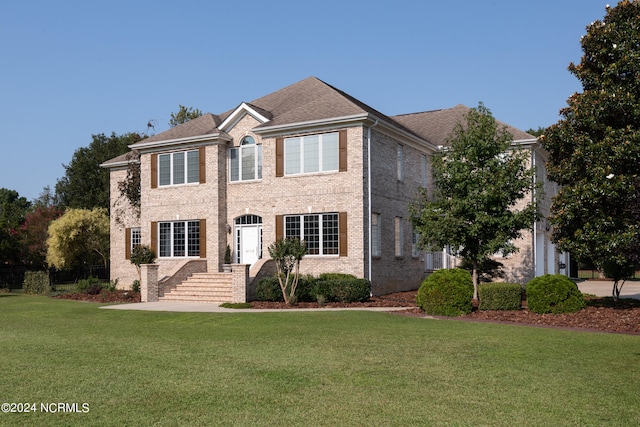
601,314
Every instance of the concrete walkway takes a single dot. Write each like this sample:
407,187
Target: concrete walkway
199,307
601,288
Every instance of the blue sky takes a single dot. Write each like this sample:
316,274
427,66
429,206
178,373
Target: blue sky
70,69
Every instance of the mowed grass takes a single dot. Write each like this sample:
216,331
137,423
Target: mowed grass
328,368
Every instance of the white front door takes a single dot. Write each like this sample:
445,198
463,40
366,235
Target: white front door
249,244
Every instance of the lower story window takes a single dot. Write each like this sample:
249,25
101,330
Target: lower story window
179,239
319,231
136,237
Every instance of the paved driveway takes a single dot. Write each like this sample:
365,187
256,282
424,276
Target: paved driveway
603,288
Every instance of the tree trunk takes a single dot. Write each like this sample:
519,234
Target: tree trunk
474,277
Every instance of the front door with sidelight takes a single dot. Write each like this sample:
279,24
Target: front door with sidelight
248,232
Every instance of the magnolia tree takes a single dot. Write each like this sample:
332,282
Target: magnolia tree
595,149
287,253
479,180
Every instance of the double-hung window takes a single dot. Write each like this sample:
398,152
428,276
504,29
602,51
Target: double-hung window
311,154
245,161
376,235
400,162
179,239
399,237
179,168
320,232
136,237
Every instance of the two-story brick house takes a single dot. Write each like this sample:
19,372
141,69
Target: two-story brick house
306,161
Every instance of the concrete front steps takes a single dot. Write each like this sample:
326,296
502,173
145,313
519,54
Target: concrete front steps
203,287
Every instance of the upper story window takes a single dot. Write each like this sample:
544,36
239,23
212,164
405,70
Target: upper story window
311,154
179,168
400,161
245,161
424,169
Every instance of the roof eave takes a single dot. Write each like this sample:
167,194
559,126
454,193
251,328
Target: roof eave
309,124
180,141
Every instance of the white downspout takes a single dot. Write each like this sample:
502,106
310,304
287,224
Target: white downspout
369,213
535,223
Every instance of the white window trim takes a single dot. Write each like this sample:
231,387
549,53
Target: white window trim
135,241
171,167
376,235
400,161
399,237
321,169
321,231
257,162
186,240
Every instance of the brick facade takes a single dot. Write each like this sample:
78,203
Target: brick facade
352,192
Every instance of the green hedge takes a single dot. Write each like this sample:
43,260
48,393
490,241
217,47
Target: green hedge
36,282
554,293
327,287
500,296
341,289
446,292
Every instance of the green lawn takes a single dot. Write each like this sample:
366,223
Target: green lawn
328,368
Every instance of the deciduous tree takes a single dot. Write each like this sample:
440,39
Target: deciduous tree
481,181
79,237
34,233
13,209
183,115
85,184
595,148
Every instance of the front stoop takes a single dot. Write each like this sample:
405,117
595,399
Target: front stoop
203,287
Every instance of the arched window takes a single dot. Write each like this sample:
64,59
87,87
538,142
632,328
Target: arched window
245,161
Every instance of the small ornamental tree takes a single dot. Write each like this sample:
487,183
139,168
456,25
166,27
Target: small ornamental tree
287,254
142,254
479,180
594,150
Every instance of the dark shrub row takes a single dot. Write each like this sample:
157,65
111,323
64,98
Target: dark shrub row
450,293
329,287
500,296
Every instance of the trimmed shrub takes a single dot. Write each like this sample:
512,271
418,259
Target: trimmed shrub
446,292
554,293
336,287
91,286
268,289
304,291
36,283
328,287
135,286
500,296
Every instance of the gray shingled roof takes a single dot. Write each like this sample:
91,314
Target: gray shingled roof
312,99
436,126
203,125
307,100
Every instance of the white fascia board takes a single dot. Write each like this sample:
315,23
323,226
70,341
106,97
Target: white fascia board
285,128
180,141
120,164
530,141
238,113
